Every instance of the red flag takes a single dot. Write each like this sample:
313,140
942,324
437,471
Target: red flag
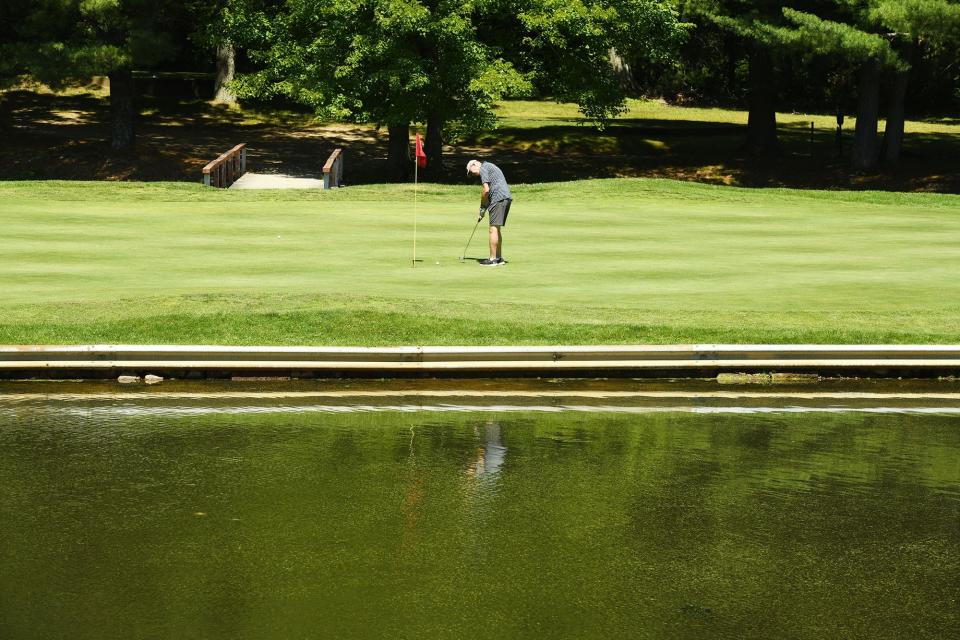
421,156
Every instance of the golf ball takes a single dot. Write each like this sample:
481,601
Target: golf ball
438,263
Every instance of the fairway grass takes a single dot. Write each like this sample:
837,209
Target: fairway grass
591,262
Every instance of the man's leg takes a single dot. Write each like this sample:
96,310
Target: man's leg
496,240
500,222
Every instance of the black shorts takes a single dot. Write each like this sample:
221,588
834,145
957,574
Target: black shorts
498,212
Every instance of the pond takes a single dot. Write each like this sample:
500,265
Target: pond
277,515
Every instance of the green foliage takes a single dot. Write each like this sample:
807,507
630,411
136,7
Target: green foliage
567,44
758,37
13,14
936,20
865,29
814,69
832,38
58,41
747,19
383,61
400,61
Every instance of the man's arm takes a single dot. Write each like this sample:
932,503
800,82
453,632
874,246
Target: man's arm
485,195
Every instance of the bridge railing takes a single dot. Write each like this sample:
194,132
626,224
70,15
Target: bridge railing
333,170
225,170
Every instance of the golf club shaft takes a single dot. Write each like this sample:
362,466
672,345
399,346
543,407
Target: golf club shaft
464,254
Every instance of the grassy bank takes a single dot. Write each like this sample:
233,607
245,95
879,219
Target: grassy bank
606,261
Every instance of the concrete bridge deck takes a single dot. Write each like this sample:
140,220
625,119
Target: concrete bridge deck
276,181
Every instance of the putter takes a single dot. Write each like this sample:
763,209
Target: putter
464,254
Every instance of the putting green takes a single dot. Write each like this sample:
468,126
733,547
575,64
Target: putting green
593,261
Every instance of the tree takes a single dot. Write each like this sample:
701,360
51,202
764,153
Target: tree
914,27
760,31
566,45
869,53
390,62
879,36
13,14
211,34
58,41
396,62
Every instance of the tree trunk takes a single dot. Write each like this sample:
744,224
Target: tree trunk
893,136
122,111
621,68
866,148
434,148
225,72
896,115
6,113
762,119
399,164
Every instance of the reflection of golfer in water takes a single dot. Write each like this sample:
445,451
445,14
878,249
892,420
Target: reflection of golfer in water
491,455
481,508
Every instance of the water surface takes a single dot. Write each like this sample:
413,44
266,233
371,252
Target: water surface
122,518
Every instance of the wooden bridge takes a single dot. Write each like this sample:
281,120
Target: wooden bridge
229,171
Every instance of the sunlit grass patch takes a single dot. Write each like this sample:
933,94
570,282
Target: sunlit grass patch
535,113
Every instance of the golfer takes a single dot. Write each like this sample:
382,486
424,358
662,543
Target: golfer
495,200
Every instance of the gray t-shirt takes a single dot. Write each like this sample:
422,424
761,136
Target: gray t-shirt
499,190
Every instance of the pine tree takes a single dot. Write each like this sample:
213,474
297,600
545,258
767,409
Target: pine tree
875,37
914,27
758,26
58,41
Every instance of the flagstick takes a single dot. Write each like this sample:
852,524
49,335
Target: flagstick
415,180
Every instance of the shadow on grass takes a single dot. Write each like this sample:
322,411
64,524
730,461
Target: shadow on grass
66,137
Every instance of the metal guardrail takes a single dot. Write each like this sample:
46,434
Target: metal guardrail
640,361
225,170
333,170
